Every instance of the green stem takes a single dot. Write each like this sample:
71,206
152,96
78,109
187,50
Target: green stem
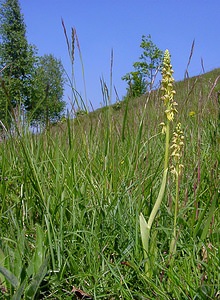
163,185
159,200
146,226
174,238
166,160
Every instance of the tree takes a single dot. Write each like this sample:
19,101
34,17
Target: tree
17,59
31,84
136,84
142,79
46,105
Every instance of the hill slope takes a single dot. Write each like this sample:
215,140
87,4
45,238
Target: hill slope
71,200
196,97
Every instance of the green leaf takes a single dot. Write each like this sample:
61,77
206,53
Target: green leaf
18,294
18,253
145,231
145,237
10,276
39,251
2,259
209,220
33,287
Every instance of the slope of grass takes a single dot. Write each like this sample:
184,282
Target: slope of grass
71,200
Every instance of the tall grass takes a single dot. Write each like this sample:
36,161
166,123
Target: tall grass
71,199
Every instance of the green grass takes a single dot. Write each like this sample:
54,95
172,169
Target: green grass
71,199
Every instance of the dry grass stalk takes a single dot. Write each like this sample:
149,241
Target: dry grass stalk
189,60
65,34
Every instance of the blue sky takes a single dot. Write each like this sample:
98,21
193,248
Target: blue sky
103,25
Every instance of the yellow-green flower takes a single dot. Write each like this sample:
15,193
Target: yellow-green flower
167,89
177,150
192,113
163,126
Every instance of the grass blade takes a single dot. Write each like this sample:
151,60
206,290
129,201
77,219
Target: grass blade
10,277
33,287
18,294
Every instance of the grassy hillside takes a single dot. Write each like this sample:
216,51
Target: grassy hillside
71,200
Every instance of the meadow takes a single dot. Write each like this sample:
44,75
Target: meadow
71,199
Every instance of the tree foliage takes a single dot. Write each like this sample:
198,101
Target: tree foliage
25,79
16,59
136,84
142,78
46,103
